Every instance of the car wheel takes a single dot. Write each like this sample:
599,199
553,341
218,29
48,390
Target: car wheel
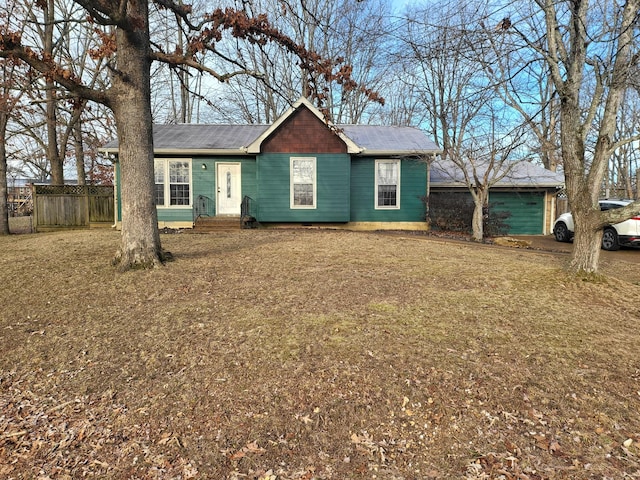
561,232
610,239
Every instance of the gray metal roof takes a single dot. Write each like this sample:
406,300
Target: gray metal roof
197,137
390,139
204,137
232,139
518,174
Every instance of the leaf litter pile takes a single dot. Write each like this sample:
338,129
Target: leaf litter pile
313,355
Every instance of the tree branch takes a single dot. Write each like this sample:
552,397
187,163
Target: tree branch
176,59
66,78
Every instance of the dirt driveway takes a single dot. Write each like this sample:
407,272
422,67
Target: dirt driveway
549,244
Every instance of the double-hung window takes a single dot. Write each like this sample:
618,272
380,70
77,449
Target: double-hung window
172,182
303,182
387,184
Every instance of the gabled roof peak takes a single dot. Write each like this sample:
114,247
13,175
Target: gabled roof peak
225,139
302,102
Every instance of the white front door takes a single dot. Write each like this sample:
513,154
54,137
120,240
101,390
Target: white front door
229,195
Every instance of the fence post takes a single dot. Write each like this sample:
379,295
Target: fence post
34,213
87,203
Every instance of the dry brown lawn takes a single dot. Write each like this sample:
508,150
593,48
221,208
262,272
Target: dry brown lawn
313,355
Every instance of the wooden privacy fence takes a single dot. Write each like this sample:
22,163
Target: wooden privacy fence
72,206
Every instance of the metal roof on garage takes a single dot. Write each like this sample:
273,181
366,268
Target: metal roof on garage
514,174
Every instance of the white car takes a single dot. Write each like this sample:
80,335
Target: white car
626,233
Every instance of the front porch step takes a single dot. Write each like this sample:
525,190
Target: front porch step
216,224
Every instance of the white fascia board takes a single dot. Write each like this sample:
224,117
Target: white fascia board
202,151
399,153
437,184
189,153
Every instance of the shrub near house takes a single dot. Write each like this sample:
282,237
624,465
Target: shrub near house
453,212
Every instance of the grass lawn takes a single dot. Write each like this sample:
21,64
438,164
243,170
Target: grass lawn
313,355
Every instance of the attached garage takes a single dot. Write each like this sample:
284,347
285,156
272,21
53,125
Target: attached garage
527,194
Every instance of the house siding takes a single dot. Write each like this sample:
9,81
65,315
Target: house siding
332,183
204,181
174,215
413,189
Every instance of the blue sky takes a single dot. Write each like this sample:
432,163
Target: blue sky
399,5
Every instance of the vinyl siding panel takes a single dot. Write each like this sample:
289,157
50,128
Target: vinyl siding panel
332,183
175,215
413,188
204,180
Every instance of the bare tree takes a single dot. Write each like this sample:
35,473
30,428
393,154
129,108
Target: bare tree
522,81
10,95
51,95
480,142
131,51
78,117
338,30
589,54
404,96
55,118
178,91
9,98
620,180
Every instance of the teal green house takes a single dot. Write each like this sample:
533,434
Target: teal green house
300,170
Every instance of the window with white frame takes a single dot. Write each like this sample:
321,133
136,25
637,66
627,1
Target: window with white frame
303,182
172,182
387,184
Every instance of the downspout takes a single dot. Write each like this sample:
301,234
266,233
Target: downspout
114,160
427,200
428,194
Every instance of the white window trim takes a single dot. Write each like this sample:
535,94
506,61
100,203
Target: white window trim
315,185
375,174
167,191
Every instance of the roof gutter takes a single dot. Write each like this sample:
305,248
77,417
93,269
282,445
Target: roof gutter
437,184
173,151
399,153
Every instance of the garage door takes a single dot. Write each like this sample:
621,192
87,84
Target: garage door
526,208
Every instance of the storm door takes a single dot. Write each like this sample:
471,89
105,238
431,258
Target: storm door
229,195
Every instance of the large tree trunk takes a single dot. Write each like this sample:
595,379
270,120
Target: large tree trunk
140,247
583,196
584,172
4,210
480,205
53,152
79,152
586,245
